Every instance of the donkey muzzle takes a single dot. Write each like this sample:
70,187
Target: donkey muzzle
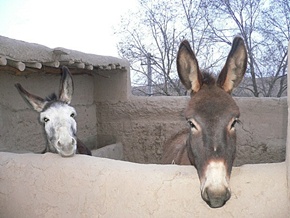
66,148
216,198
215,184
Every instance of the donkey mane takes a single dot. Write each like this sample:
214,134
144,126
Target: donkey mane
208,78
50,100
51,97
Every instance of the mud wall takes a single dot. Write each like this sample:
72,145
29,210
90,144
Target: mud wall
288,130
143,124
35,186
20,129
108,114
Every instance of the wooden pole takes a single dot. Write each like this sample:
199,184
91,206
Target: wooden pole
52,64
3,61
16,64
36,65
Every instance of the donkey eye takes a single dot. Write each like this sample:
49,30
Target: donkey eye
72,115
45,119
236,120
191,124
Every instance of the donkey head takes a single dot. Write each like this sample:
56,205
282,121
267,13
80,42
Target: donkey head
57,116
212,114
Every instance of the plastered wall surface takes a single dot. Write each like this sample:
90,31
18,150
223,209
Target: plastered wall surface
20,129
108,114
33,185
143,124
288,131
48,185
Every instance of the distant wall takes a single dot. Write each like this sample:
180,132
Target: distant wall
288,131
143,124
107,114
36,186
20,130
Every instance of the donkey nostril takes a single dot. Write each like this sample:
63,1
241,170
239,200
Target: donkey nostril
73,141
228,195
205,195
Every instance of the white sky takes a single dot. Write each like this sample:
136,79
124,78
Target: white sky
84,25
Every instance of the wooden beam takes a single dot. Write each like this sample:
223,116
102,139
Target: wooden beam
16,64
89,67
79,65
51,64
3,61
36,65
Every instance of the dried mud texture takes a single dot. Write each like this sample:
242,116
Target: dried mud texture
51,186
143,125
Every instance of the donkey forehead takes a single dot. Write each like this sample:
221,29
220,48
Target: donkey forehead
212,103
58,109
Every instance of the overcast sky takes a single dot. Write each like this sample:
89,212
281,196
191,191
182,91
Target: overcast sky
85,25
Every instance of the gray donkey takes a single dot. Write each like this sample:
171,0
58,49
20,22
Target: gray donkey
58,117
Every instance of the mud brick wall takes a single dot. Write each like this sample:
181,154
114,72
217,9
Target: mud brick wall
143,124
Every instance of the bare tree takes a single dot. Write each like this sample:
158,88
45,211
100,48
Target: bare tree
149,39
158,31
195,14
239,18
155,41
265,29
275,30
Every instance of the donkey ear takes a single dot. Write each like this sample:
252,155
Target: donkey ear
187,68
66,86
37,103
235,67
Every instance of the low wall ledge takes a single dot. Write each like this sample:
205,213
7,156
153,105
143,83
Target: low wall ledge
48,185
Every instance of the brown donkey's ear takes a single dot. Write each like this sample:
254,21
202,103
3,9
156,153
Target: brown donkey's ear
187,68
66,86
37,103
235,67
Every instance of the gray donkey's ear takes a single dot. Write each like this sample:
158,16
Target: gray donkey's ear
37,103
66,86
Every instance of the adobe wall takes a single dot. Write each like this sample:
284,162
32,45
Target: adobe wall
288,129
143,124
51,186
48,185
36,67
20,130
108,114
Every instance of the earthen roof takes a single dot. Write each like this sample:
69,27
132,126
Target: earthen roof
23,56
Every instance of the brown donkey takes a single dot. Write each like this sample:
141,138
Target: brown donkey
209,143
